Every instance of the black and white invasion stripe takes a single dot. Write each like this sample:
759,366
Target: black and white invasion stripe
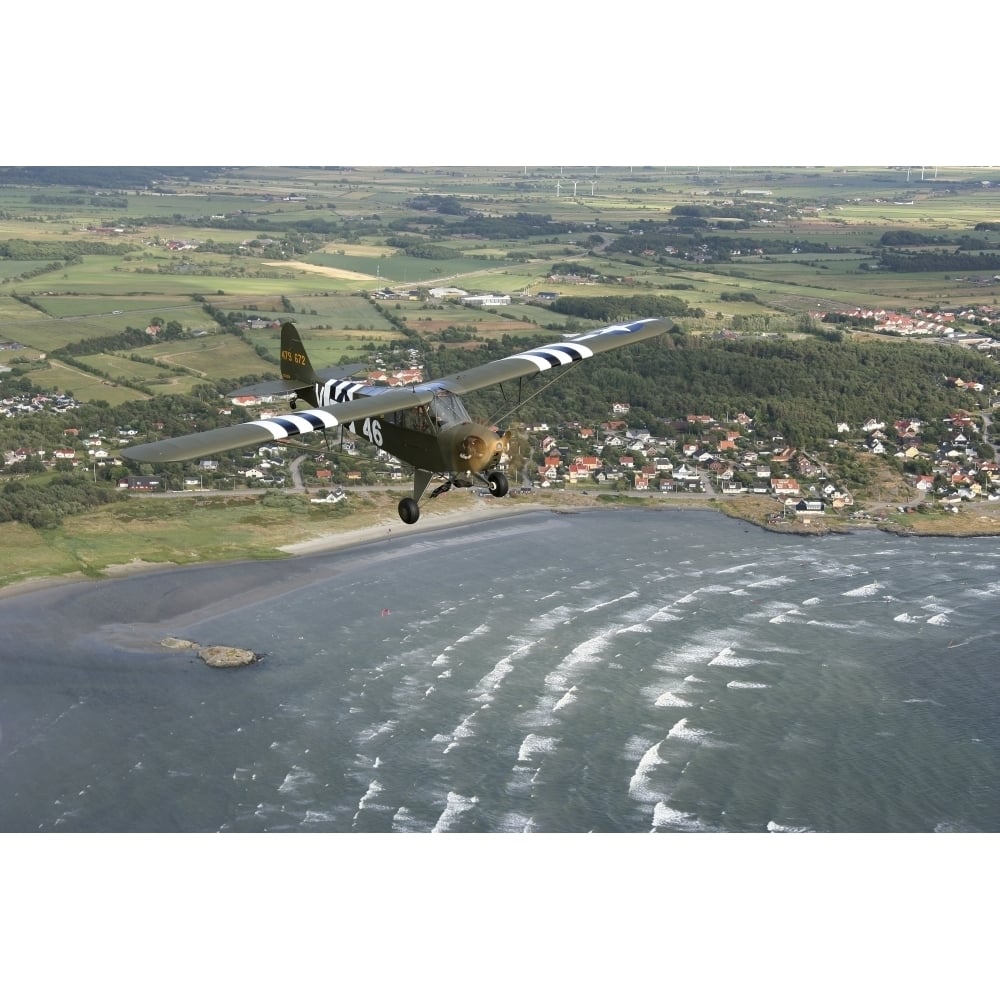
554,355
297,423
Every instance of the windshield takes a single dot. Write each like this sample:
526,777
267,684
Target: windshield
448,409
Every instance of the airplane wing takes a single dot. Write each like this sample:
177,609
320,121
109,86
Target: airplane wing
257,432
539,359
375,401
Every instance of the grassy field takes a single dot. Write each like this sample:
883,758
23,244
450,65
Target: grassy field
179,530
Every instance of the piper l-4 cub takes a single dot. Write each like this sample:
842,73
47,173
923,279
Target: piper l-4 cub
425,425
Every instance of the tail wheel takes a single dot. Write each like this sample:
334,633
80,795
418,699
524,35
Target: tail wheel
498,484
409,510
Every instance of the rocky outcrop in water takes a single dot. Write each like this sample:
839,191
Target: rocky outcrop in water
215,656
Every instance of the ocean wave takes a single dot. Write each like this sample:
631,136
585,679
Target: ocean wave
614,600
533,745
481,629
295,779
663,616
667,818
514,822
314,816
836,626
785,618
369,799
773,827
739,568
405,822
746,685
566,700
669,699
682,731
462,731
773,581
728,658
457,806
867,590
639,787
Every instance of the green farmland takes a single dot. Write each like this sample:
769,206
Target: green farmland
86,261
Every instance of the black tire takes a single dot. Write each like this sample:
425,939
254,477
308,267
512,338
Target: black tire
498,484
409,510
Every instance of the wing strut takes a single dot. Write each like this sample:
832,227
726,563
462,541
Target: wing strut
495,421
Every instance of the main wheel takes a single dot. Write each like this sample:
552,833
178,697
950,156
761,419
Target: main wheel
409,510
498,484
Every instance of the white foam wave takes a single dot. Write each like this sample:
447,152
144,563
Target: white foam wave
316,816
867,590
728,658
811,600
784,618
478,630
774,581
488,684
836,626
682,731
462,731
566,700
405,822
639,785
513,822
368,800
665,817
379,729
670,700
736,569
746,685
663,616
295,779
614,600
906,617
456,807
941,619
533,745
773,827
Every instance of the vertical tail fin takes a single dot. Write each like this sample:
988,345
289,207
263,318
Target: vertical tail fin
295,365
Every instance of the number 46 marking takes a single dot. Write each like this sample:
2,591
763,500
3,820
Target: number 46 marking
372,430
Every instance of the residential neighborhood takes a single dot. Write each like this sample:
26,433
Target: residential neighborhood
706,454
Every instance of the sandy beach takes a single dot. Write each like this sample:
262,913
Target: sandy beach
135,606
386,530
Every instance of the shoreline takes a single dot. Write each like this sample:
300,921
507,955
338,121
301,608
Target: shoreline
485,510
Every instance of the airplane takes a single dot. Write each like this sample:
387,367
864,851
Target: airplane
425,425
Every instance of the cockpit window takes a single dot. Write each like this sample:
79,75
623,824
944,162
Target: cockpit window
447,409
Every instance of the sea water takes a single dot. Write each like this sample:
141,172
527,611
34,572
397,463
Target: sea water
610,671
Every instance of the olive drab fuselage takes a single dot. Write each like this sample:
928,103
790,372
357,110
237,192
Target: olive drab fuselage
439,437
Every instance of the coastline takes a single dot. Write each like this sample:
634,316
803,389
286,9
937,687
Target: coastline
389,529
